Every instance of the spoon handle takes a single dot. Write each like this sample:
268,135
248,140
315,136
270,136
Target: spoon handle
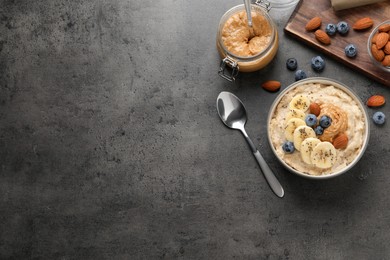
269,175
267,172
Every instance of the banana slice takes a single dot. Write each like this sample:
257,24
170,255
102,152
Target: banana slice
301,133
290,127
300,102
307,147
295,113
323,155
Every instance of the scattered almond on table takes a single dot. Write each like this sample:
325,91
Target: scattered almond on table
271,85
376,101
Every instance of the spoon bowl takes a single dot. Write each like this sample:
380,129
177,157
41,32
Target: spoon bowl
233,114
231,110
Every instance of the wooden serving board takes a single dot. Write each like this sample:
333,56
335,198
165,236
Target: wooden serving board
307,9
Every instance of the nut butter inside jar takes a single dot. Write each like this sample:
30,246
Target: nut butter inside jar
244,48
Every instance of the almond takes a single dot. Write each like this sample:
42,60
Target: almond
386,49
313,24
379,55
271,85
322,37
381,40
363,24
373,39
386,61
384,28
376,101
315,109
341,141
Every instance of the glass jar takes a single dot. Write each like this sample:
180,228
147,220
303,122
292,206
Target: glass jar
370,43
246,63
281,10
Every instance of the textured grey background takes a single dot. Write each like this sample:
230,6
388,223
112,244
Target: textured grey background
111,147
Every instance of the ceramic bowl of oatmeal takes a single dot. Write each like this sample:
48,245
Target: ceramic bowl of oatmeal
318,128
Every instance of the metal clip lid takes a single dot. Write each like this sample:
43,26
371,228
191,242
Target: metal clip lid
264,4
234,69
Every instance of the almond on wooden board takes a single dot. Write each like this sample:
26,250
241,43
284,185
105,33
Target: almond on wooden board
313,24
381,40
376,101
271,85
340,141
322,37
363,24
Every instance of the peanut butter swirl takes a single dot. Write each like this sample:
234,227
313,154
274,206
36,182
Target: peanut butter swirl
241,40
339,121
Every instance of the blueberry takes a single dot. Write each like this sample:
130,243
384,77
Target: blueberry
291,64
319,130
350,50
379,118
343,27
325,121
318,63
288,147
331,29
300,74
311,120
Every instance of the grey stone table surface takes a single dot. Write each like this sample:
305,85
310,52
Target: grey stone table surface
111,146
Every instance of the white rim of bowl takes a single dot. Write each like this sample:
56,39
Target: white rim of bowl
341,86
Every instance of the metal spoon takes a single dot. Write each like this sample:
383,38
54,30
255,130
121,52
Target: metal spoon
247,4
233,114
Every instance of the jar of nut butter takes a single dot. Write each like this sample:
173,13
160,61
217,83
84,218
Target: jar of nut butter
243,48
